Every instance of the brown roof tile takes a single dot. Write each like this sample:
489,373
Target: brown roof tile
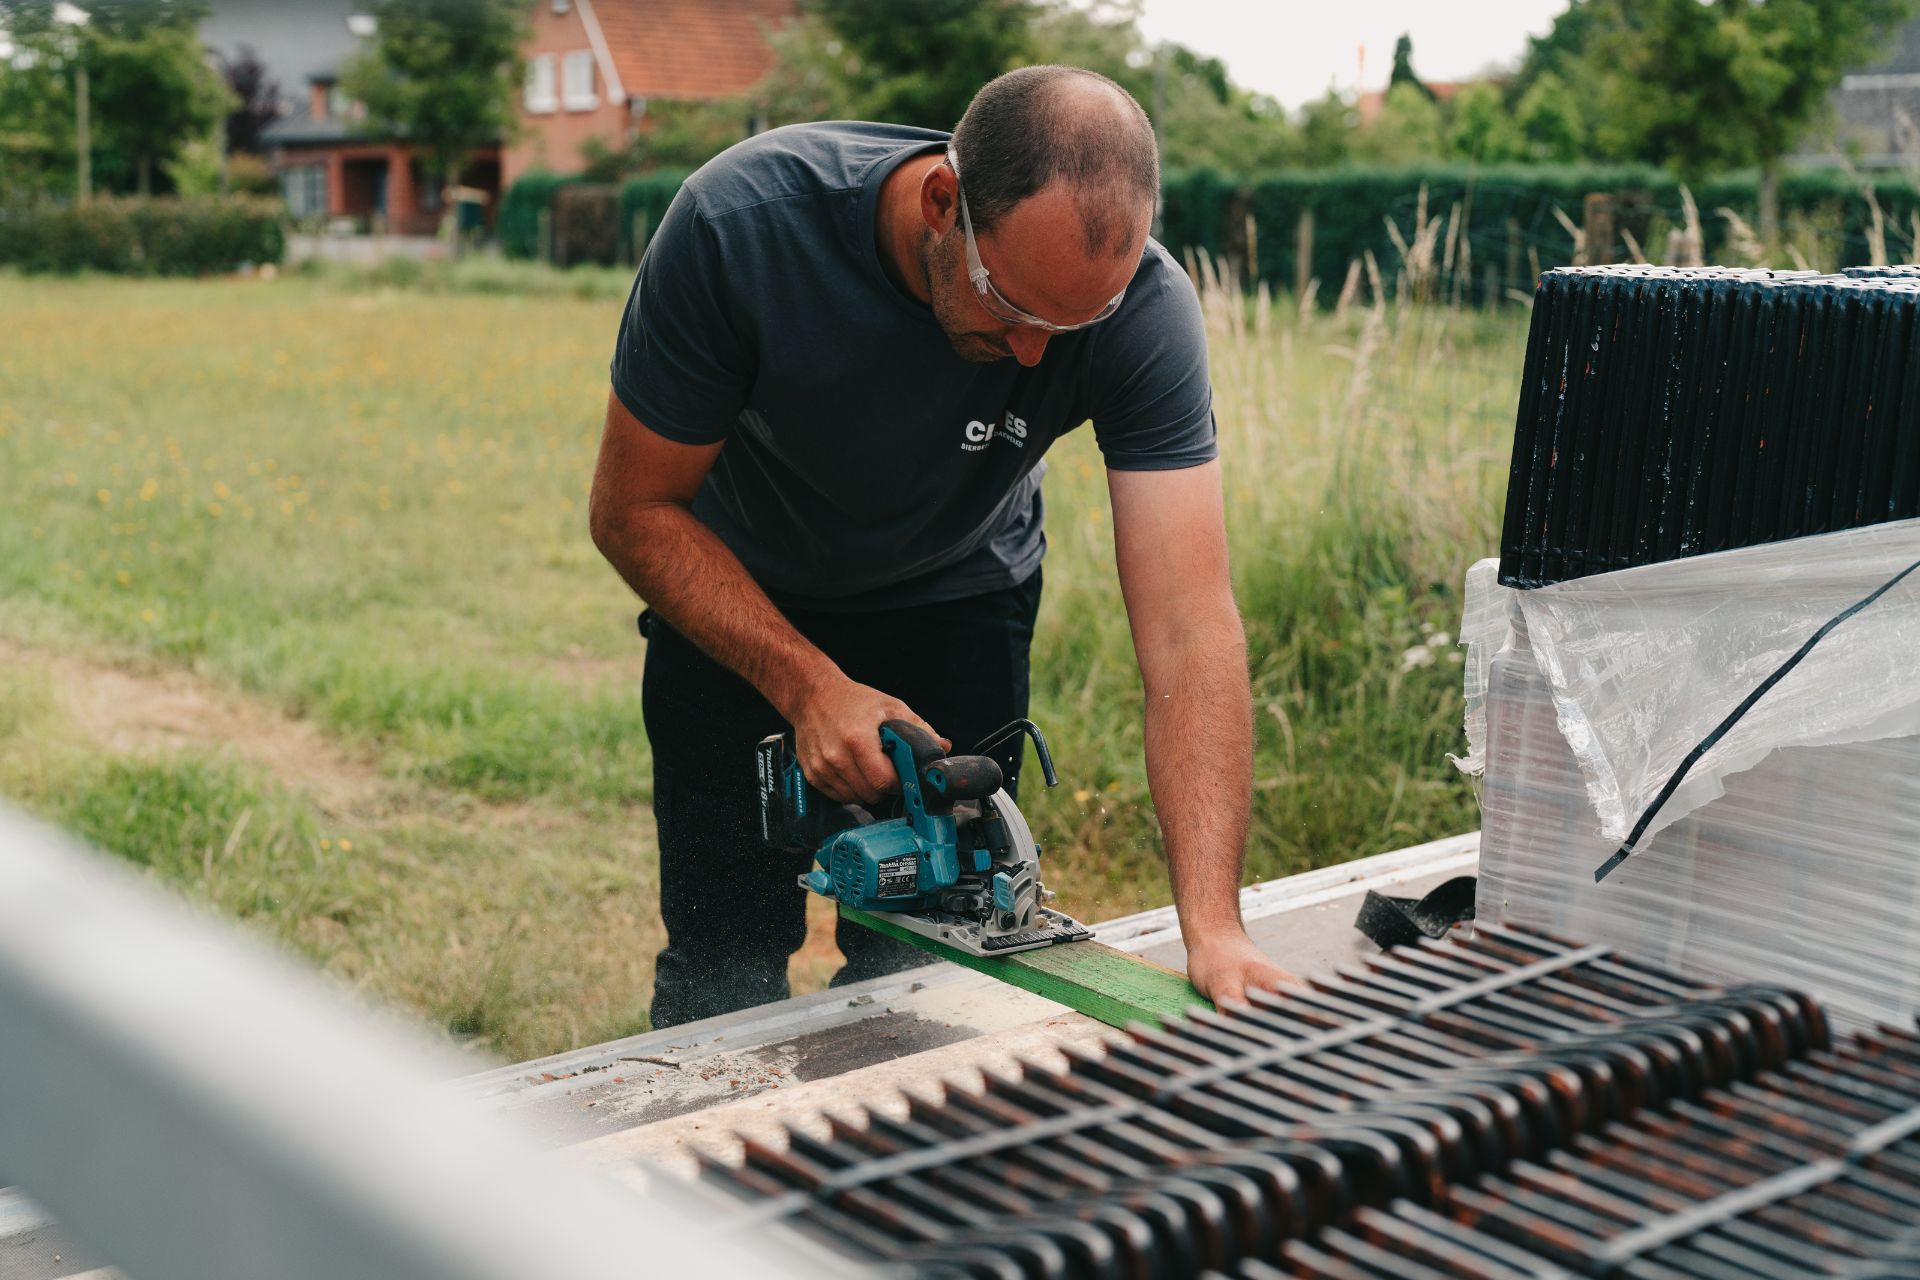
690,50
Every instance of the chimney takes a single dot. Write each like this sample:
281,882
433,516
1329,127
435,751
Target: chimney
317,93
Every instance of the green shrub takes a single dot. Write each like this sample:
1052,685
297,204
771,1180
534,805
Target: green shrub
131,236
648,197
645,198
520,210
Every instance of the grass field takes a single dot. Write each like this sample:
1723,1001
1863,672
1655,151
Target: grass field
298,611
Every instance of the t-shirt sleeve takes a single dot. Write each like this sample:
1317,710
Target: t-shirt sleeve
1153,397
683,362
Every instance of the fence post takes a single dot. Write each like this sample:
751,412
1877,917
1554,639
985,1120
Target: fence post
1597,227
543,222
1302,253
1513,254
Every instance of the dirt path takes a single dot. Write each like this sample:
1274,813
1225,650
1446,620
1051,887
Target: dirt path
129,706
131,710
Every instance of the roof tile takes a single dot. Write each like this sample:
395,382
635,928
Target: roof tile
690,50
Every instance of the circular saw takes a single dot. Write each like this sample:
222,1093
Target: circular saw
956,863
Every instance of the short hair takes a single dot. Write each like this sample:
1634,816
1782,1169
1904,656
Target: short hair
1039,125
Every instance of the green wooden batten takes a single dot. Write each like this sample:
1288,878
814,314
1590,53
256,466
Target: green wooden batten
1088,977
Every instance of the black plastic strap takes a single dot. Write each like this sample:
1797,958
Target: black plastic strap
1396,922
1707,743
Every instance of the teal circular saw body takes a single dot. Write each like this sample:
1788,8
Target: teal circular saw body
957,864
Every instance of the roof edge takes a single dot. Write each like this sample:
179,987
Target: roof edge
616,91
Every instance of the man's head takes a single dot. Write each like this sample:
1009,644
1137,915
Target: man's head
1059,175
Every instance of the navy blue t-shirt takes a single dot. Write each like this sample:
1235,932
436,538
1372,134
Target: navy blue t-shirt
866,464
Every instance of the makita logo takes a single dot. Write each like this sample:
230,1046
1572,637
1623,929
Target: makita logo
978,435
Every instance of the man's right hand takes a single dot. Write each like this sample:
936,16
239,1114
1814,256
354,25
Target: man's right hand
836,736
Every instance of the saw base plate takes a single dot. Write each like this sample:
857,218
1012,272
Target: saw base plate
1050,928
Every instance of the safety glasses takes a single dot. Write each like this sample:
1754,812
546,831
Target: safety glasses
990,298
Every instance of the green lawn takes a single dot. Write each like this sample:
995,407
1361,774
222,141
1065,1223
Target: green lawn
358,514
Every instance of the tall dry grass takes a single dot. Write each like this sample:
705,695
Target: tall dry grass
1364,455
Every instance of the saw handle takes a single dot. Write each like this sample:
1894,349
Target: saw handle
925,747
945,780
964,777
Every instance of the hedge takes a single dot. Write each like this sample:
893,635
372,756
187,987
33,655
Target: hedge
518,223
650,196
520,208
132,236
1507,210
1350,207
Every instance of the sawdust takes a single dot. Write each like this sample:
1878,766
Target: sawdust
703,1080
127,709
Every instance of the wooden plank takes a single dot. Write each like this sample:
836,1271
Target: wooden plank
1088,977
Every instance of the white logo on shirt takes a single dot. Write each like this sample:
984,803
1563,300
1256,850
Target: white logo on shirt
977,435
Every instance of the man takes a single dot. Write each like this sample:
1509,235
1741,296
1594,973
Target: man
845,352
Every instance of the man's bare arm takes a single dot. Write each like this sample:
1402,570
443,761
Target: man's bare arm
641,516
1171,544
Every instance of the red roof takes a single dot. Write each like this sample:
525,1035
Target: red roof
690,50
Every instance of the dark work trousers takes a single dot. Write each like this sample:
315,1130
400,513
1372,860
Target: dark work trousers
732,908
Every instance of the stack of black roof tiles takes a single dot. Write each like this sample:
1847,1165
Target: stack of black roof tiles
1815,1172
1414,1093
1670,412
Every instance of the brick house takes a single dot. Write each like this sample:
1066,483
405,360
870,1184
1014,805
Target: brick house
592,66
328,167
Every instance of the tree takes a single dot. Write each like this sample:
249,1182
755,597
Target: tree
256,99
1550,122
912,61
37,155
1482,129
1701,86
153,90
1410,127
675,135
815,75
1327,126
1403,68
1202,117
442,75
1566,50
150,92
1735,82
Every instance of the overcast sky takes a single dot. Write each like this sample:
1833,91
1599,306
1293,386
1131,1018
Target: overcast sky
1293,49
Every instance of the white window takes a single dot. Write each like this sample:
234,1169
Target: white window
576,84
540,83
305,189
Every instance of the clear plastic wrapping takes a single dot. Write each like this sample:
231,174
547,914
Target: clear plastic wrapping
1643,664
1793,853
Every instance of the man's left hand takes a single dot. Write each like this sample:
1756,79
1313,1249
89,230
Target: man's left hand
1224,966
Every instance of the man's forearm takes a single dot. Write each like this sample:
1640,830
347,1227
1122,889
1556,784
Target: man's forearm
689,577
1199,746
